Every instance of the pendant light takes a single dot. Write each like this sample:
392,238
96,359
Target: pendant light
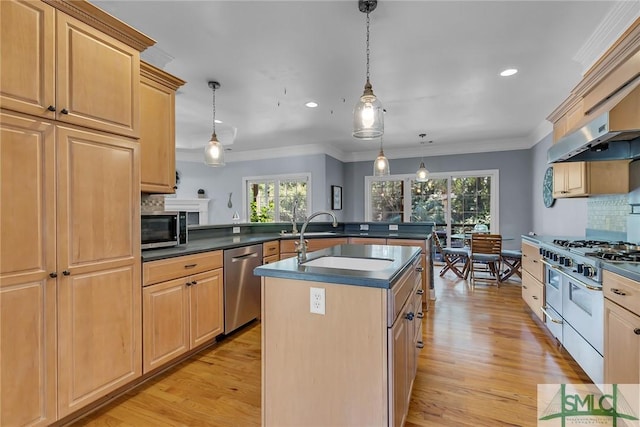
422,173
368,114
381,164
214,150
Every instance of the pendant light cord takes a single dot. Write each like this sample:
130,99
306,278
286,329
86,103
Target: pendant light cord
214,109
367,46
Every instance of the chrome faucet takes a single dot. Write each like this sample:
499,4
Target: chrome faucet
294,213
301,246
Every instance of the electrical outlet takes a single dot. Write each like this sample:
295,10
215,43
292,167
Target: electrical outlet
236,230
364,227
316,300
393,227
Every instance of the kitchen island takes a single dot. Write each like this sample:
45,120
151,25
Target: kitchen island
340,345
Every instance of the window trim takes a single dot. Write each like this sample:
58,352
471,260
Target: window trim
407,178
305,176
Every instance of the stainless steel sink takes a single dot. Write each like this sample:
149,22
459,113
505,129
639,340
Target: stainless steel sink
349,263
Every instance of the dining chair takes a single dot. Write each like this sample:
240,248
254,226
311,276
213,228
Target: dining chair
512,261
452,257
485,256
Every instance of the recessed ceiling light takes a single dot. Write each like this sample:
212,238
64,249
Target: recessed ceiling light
508,72
311,104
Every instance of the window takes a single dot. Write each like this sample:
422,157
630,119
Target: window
455,202
273,198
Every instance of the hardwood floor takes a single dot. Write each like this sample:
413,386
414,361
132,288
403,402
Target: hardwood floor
483,357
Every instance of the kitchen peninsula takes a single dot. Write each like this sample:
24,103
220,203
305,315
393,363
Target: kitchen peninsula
340,343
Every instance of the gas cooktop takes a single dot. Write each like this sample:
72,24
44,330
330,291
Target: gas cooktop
604,250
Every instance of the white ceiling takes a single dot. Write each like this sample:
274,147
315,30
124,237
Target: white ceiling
434,65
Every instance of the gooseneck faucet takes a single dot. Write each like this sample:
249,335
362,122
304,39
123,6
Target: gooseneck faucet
301,246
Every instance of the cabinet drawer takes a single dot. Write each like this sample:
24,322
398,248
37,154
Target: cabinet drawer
172,268
408,242
270,259
313,245
271,248
531,261
367,241
623,291
533,293
401,290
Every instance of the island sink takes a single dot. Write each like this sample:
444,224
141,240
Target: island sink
349,263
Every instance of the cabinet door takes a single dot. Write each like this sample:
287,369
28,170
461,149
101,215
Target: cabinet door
27,257
99,298
399,338
157,130
27,73
207,316
165,314
98,79
576,178
621,345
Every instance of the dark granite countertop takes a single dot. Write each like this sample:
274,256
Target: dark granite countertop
402,257
235,241
626,269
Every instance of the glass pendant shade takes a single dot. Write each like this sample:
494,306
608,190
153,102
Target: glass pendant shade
214,152
368,115
422,173
381,165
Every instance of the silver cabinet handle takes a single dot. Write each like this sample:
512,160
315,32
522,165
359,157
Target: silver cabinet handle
551,317
618,292
420,344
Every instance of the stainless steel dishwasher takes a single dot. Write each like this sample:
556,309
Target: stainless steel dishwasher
241,287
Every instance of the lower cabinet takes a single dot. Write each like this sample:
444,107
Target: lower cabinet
532,293
359,358
621,329
184,313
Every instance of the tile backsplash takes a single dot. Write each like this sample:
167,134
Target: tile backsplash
151,203
608,212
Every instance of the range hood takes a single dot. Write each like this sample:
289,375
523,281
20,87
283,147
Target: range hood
611,135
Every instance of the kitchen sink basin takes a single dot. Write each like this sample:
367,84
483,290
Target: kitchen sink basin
350,263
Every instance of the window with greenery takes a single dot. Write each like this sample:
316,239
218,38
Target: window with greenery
455,202
273,198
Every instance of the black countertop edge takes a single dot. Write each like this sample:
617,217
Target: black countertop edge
229,242
402,257
625,269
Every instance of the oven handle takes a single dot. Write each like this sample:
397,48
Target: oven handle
578,281
550,316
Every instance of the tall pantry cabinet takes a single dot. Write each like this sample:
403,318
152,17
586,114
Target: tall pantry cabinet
70,299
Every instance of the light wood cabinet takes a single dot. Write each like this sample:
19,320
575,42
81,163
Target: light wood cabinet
358,359
287,247
532,278
424,262
184,312
157,129
621,329
57,66
27,257
580,179
60,245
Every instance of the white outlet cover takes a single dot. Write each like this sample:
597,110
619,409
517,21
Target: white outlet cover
316,300
393,227
236,230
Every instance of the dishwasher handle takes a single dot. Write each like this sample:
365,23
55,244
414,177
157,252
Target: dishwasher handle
244,257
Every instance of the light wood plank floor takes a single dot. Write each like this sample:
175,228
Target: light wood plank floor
483,357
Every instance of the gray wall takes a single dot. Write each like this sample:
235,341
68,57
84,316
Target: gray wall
567,217
515,178
219,182
334,176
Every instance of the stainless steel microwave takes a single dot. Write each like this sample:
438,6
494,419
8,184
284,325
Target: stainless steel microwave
163,229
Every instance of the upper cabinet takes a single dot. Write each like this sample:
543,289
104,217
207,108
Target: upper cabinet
56,57
157,129
581,179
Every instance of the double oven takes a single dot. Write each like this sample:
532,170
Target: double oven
574,302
